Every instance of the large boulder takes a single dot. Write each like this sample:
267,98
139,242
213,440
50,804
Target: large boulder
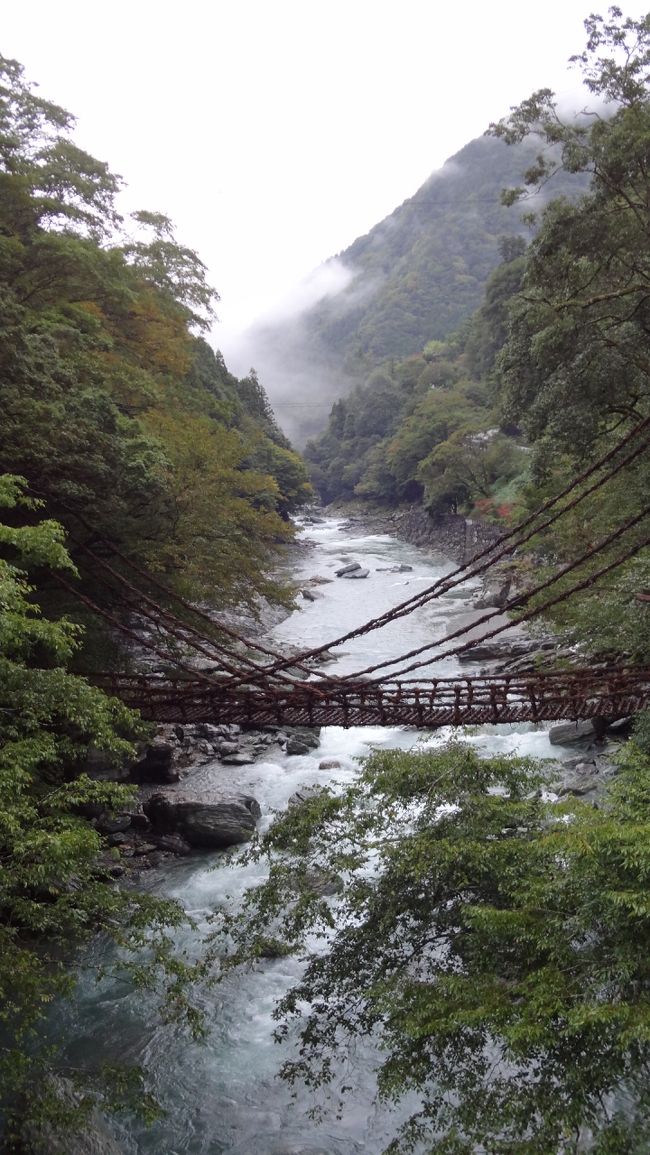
569,732
348,569
238,758
158,762
357,573
304,794
494,595
207,824
323,883
302,739
173,843
101,765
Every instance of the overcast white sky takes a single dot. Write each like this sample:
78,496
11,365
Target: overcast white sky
274,132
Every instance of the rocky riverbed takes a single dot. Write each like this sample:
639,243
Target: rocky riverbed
186,801
203,789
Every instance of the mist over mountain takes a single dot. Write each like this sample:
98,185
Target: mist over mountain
417,275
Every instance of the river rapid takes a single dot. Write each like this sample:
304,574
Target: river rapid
223,1096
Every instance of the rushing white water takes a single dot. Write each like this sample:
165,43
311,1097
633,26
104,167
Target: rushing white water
223,1095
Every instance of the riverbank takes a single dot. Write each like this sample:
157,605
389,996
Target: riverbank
225,1095
187,801
459,538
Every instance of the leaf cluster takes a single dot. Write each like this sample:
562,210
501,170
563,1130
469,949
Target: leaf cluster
56,892
492,944
115,412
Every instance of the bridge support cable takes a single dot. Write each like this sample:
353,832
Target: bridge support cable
140,603
115,622
487,558
513,604
443,585
170,593
541,608
504,546
245,673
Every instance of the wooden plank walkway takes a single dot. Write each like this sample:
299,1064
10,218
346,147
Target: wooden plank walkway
579,694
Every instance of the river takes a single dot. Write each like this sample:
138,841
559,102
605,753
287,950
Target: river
222,1096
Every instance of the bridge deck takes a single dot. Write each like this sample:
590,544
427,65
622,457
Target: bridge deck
575,695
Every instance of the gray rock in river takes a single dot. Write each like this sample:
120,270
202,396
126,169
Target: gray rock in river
494,595
569,732
357,573
312,595
225,747
240,758
323,883
174,843
213,824
302,739
348,569
304,794
112,823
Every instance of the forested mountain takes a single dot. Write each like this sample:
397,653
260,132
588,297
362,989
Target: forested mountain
120,429
425,429
115,410
547,373
499,952
416,276
420,272
528,1029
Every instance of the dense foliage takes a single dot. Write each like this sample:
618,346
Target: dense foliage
56,891
113,409
551,370
121,424
576,360
492,945
426,429
417,275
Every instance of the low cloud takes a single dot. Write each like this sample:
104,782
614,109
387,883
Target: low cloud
300,375
322,284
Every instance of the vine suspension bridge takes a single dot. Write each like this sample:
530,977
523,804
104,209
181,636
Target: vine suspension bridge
258,686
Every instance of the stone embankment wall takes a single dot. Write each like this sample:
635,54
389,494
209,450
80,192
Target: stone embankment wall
458,537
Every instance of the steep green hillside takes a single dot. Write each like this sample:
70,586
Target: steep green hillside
549,373
422,270
415,276
115,411
425,429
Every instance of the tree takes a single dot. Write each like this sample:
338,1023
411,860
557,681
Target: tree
493,945
466,466
56,891
101,375
176,271
577,362
67,187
